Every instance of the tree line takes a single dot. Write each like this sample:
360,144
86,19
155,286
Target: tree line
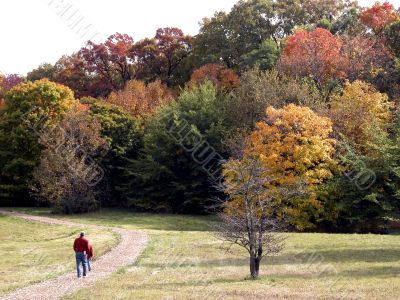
308,89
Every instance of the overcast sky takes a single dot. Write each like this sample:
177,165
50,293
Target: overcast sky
37,31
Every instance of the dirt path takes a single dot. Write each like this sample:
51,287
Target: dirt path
131,244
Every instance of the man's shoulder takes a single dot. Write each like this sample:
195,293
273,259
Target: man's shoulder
82,239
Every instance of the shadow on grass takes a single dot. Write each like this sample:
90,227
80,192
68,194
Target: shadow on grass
338,256
355,273
323,272
190,282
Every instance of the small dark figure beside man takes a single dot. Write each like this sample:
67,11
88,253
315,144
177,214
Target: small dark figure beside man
83,254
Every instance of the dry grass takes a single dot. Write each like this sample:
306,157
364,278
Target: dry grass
185,261
191,265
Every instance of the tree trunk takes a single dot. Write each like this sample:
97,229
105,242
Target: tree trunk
254,267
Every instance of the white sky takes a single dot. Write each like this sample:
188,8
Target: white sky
32,32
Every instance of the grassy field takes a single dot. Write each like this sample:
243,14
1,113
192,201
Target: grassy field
31,252
185,261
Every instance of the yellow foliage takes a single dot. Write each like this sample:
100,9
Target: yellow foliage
41,93
360,109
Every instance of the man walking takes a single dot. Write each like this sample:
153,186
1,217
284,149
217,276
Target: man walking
81,247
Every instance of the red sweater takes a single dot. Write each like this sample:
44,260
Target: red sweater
81,245
90,252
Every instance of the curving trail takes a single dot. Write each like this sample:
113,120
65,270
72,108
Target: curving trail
131,244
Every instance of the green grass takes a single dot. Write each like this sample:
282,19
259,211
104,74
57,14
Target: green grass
185,261
31,252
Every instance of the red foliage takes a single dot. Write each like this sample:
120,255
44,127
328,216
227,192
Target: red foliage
315,53
109,60
219,75
12,80
7,82
378,16
362,56
71,72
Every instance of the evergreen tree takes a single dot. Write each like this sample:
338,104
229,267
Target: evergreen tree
124,138
181,154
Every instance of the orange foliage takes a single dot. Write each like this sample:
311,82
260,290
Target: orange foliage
81,107
315,53
2,104
2,90
294,146
378,16
219,75
139,99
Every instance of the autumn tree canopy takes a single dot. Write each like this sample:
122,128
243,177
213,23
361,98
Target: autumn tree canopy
67,169
45,70
141,99
292,82
392,36
295,147
358,111
259,90
161,57
313,53
378,16
109,60
219,75
363,57
31,107
7,82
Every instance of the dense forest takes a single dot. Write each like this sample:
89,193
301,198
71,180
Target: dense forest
310,88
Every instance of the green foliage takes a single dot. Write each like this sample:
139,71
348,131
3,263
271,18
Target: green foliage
365,195
263,57
247,33
392,34
45,70
168,175
242,33
124,137
118,128
348,22
316,46
30,107
325,23
259,90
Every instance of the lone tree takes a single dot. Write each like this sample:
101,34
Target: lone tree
249,217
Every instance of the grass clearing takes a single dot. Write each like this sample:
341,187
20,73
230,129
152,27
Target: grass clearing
31,252
184,261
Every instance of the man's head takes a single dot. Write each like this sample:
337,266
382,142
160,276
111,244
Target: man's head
82,234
